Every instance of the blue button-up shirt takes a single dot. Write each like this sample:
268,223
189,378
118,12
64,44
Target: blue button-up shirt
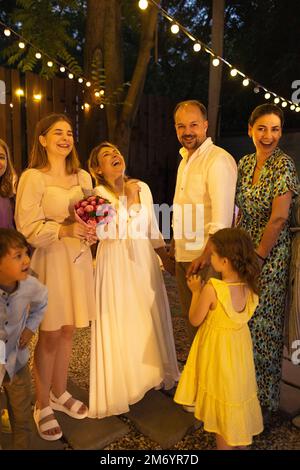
23,308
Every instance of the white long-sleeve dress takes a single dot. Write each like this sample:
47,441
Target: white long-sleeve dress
132,344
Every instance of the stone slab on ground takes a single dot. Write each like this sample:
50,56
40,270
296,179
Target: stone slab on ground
289,399
291,373
158,417
37,443
87,433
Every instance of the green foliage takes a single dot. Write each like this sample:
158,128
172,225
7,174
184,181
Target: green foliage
45,25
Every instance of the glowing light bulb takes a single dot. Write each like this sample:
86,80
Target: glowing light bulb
71,76
276,100
246,82
101,106
19,92
87,106
80,80
284,104
267,96
297,109
175,28
7,32
50,63
233,72
256,89
197,47
11,105
216,62
37,97
292,107
38,55
88,84
22,45
102,92
143,4
62,69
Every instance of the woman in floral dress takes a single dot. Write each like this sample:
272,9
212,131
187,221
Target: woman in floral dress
267,184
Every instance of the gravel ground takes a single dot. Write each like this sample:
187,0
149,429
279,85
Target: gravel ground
280,434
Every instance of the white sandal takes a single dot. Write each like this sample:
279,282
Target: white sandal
38,416
59,405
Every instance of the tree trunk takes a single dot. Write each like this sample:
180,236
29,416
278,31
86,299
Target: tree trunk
104,37
215,73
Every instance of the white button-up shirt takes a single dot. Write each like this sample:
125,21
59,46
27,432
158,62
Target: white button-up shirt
23,308
204,198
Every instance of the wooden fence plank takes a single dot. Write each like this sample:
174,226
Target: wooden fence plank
16,122
32,106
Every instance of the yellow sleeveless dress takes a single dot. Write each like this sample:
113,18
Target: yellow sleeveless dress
219,376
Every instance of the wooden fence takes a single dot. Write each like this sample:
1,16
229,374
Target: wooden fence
154,147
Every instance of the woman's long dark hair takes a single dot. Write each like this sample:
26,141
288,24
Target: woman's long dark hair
8,179
236,245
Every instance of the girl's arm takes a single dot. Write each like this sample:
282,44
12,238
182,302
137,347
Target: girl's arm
202,301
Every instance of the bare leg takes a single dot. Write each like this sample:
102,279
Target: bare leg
44,358
61,365
222,444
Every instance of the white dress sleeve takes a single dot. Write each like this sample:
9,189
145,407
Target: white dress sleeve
29,216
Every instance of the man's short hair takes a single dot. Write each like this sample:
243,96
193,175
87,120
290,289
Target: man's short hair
196,103
10,238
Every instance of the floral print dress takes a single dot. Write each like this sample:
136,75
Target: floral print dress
277,177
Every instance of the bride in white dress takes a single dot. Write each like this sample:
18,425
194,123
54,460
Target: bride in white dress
132,344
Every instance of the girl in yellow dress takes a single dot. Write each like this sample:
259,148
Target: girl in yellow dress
219,376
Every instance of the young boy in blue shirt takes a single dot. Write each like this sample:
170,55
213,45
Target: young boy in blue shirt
23,300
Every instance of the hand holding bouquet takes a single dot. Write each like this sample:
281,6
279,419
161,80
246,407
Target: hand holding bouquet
92,211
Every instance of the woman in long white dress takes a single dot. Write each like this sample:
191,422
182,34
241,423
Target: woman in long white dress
132,345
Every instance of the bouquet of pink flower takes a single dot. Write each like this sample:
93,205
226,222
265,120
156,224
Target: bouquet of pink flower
92,211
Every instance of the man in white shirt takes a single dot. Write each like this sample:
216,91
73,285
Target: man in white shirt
204,197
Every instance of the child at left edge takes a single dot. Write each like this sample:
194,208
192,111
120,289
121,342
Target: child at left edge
23,300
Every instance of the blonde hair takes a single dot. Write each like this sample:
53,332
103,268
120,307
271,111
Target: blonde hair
38,155
8,179
93,165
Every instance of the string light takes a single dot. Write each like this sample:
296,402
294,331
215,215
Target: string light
51,62
37,97
276,100
101,106
19,92
87,106
176,27
197,47
297,109
284,104
292,107
143,4
11,105
97,94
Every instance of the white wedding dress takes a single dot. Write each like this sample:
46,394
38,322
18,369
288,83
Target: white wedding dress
132,344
